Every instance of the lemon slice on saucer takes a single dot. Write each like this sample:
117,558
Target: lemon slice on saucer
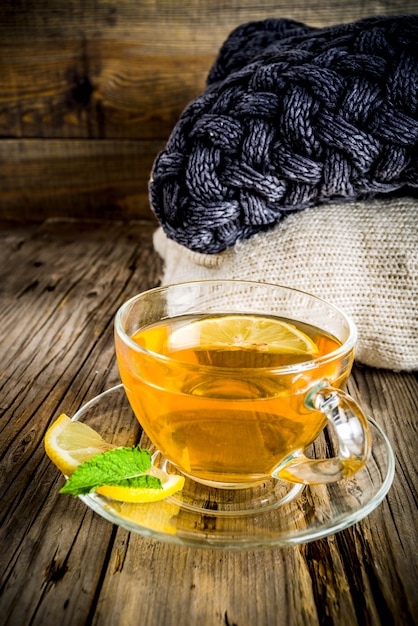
69,444
169,485
243,332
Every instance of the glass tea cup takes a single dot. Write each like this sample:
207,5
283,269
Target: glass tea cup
233,380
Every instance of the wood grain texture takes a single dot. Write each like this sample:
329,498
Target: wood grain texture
118,71
97,88
126,69
60,285
78,178
61,277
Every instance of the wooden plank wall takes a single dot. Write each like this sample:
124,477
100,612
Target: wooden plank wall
90,90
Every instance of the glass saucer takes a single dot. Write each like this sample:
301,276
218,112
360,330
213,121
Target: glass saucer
273,514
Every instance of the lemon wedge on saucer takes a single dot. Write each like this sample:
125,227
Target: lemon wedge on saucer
169,486
70,443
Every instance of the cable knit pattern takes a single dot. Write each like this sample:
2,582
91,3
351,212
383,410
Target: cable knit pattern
292,117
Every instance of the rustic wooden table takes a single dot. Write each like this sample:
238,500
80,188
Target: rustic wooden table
61,283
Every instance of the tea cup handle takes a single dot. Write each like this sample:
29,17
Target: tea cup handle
350,426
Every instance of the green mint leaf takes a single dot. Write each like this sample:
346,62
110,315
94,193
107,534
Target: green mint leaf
122,467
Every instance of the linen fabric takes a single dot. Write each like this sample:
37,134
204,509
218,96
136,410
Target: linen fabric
362,257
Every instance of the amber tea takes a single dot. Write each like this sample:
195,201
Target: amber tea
233,396
234,419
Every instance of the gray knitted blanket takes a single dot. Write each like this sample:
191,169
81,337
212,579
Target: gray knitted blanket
291,117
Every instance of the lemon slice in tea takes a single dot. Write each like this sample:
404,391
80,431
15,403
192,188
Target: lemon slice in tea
243,332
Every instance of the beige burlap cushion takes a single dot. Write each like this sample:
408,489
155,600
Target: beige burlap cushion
361,256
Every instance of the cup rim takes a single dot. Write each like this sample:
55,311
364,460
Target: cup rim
345,347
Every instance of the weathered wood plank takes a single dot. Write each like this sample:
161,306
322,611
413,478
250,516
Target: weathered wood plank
126,69
66,282
97,89
126,17
60,285
76,179
105,70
